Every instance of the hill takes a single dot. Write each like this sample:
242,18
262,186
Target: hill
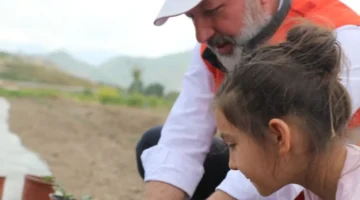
167,70
71,65
31,69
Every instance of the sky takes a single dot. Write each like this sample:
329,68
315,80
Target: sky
121,26
92,26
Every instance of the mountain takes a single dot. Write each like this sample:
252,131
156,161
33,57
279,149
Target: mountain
32,69
71,65
115,70
167,70
94,57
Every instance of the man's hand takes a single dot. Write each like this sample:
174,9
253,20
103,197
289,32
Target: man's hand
220,195
155,190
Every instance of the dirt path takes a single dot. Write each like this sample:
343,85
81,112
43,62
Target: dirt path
90,148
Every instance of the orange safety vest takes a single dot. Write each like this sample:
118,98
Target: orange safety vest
318,11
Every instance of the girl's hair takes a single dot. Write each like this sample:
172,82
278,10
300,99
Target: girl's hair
297,79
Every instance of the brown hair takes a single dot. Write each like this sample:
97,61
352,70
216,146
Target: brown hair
298,78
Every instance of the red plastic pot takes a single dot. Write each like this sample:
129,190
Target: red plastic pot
2,183
36,188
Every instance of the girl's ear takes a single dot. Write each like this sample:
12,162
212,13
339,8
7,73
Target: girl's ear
279,132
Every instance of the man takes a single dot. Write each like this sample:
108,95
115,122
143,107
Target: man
187,161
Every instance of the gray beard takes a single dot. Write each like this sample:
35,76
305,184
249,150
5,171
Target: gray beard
253,24
231,61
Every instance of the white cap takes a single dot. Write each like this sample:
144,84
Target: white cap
173,8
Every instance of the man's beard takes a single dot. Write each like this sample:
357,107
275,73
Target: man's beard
254,20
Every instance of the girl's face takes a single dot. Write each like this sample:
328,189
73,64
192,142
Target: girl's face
263,165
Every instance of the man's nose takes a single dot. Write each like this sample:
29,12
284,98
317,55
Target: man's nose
204,30
203,34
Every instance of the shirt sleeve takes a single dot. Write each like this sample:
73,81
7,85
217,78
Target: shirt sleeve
187,134
239,187
349,39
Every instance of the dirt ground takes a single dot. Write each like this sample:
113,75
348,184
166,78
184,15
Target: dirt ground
90,148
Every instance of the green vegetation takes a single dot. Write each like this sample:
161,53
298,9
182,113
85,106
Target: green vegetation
103,95
18,69
60,193
18,93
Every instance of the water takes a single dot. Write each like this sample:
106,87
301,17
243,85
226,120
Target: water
15,160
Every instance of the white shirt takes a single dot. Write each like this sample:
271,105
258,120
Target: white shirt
349,183
190,127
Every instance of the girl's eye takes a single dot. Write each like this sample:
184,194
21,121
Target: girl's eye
231,145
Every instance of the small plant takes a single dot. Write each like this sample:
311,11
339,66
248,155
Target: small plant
61,194
48,179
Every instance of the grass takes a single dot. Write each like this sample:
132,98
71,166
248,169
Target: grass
30,93
101,95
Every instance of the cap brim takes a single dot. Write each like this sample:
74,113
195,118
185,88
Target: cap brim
172,8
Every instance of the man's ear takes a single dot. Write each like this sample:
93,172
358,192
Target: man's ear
279,132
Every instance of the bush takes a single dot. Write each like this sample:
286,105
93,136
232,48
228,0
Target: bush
135,100
154,101
112,100
87,92
107,92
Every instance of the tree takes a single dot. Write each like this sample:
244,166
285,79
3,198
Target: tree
137,84
172,96
155,89
136,73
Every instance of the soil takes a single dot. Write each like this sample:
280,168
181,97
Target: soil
90,148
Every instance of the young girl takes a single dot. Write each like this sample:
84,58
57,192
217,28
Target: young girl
284,113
